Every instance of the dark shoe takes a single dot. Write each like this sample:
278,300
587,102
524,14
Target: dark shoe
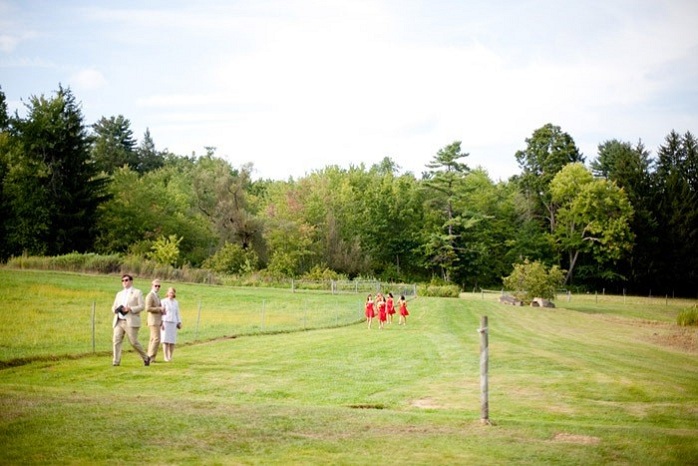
114,364
146,361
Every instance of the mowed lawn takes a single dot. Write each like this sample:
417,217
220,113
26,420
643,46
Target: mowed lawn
589,385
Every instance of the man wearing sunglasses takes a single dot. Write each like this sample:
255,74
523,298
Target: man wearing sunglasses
127,308
154,308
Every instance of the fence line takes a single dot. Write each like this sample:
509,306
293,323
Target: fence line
355,287
596,297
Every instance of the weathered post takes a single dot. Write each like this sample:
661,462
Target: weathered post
264,302
305,315
94,304
198,319
484,361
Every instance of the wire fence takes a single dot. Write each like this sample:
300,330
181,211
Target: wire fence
567,296
356,287
208,313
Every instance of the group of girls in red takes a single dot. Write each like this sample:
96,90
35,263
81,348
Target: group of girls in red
384,309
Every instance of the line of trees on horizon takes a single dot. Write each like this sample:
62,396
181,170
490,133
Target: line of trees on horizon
626,222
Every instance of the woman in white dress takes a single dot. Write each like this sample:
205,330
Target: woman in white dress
171,322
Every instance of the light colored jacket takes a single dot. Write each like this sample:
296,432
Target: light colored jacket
135,302
154,309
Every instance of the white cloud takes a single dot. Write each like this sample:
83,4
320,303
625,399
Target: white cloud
354,81
88,79
8,42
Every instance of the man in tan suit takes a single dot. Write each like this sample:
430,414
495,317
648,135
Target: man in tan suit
127,307
154,308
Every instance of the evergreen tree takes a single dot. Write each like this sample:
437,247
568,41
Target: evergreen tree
147,158
4,161
446,180
630,168
53,188
113,144
676,207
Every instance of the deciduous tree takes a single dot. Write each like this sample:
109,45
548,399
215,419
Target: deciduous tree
548,150
593,217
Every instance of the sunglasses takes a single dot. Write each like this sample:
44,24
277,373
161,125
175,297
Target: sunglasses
125,279
156,286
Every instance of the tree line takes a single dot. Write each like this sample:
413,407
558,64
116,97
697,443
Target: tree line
626,222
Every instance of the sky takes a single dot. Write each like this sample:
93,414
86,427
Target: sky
294,86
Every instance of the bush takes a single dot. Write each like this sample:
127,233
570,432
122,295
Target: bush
165,251
688,316
232,259
73,262
438,291
105,264
29,262
531,280
318,273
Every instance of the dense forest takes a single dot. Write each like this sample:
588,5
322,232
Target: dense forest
624,221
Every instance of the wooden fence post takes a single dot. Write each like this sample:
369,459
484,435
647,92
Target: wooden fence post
94,304
484,361
198,319
264,303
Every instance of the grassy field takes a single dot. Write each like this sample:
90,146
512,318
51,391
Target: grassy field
57,312
588,383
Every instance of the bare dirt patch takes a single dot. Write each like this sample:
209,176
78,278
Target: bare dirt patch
575,438
681,338
425,403
664,333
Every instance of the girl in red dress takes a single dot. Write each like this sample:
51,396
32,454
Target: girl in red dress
390,304
382,312
369,310
402,304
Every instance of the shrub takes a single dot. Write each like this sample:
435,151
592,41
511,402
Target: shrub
73,262
165,251
321,274
232,259
102,263
532,280
688,316
438,291
29,262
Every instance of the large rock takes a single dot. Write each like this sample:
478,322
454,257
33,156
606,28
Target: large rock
506,299
540,302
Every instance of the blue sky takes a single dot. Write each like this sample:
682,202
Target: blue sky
295,85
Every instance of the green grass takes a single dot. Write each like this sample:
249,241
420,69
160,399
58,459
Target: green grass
55,312
598,385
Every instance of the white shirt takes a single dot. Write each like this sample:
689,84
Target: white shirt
123,300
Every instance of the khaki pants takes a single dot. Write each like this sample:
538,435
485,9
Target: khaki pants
154,343
120,330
